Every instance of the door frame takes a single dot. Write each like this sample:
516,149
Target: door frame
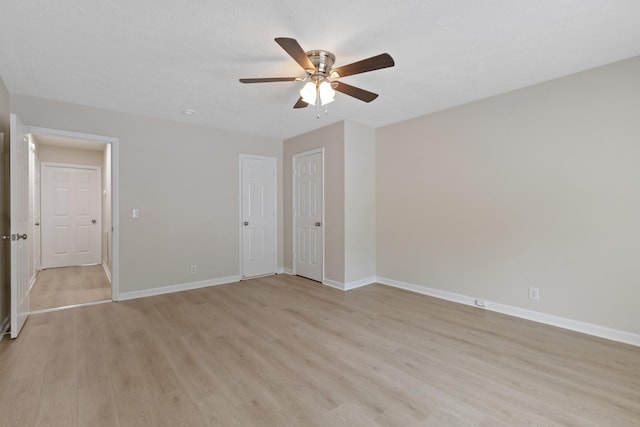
115,193
240,212
98,170
294,199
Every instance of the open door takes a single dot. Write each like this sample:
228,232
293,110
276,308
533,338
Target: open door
20,242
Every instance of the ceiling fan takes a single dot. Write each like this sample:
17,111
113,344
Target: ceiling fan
321,77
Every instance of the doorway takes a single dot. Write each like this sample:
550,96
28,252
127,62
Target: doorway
75,224
308,215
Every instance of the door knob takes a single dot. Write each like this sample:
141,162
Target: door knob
21,236
318,224
246,223
93,221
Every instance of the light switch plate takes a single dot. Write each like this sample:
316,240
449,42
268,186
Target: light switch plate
135,213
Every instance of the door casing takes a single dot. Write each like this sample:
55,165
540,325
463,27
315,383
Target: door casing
115,193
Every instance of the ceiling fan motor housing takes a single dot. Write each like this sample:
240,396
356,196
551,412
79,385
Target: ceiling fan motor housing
323,61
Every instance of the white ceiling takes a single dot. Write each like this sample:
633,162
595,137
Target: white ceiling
158,58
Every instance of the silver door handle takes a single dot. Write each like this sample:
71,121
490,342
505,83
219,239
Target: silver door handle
318,224
246,223
21,236
93,221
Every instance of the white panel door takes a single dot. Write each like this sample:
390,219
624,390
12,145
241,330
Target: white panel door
37,257
307,216
70,216
259,222
20,242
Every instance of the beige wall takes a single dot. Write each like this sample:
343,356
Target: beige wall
184,180
54,154
331,138
537,187
360,202
4,203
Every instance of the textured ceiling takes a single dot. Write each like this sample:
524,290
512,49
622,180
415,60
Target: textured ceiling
160,57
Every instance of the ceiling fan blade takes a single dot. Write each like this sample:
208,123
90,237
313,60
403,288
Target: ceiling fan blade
377,62
356,92
269,80
292,47
300,103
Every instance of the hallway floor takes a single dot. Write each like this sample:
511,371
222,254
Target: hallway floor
60,287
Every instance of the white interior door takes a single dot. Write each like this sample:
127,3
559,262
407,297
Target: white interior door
35,169
71,215
258,176
20,227
308,187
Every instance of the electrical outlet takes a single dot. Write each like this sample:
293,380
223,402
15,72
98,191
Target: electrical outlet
534,293
194,269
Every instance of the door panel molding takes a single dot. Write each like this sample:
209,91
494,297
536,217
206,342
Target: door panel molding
86,235
258,209
20,240
302,249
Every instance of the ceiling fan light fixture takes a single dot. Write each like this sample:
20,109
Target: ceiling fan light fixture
327,94
309,93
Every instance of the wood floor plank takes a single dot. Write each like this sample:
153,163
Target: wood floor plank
97,405
58,404
62,358
282,350
20,401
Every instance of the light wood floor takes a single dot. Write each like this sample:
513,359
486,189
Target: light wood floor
61,287
284,351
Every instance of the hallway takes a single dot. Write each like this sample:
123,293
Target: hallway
61,287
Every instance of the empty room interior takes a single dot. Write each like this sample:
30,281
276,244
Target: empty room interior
336,214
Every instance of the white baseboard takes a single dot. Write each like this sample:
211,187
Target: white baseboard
105,267
350,285
333,284
4,327
280,270
536,316
288,271
449,296
177,288
360,283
